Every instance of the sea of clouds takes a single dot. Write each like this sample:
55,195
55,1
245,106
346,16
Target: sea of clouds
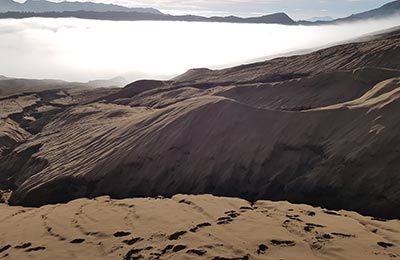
81,50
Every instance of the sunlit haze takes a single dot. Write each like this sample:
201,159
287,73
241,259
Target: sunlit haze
81,50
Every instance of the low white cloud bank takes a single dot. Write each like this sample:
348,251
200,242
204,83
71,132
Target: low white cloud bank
81,50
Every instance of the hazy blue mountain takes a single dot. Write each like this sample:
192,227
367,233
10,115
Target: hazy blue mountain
107,83
390,9
39,6
88,10
12,86
9,5
320,18
279,18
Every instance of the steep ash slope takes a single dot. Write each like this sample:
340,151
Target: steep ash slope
382,52
320,129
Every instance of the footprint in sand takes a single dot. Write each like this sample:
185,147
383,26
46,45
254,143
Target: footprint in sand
177,235
131,254
132,241
311,213
330,212
129,257
34,249
198,252
230,216
385,244
4,248
310,227
173,248
198,226
224,220
185,202
324,237
77,241
166,249
262,248
294,217
283,243
178,248
235,258
246,208
121,234
342,235
23,246
308,213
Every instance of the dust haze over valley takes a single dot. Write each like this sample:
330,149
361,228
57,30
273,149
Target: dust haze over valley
82,50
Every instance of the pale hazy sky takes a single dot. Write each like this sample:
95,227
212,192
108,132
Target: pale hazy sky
297,9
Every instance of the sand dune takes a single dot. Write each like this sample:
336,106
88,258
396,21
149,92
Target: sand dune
192,227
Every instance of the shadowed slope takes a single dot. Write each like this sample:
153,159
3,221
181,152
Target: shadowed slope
382,52
319,129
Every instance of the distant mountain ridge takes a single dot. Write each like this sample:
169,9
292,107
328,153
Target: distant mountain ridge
389,9
320,18
12,86
89,10
40,6
278,18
